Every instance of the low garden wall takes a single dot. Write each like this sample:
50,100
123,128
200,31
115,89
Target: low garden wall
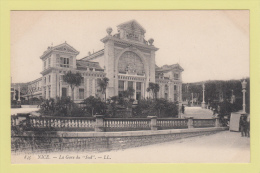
101,124
95,134
101,141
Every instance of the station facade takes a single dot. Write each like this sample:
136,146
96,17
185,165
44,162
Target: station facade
127,60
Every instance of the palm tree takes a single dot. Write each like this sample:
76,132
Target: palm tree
74,80
103,83
154,88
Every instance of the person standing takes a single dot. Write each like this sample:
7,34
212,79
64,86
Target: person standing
243,125
182,109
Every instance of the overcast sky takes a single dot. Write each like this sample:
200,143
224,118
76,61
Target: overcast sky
208,44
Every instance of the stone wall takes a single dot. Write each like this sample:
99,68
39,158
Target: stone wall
105,141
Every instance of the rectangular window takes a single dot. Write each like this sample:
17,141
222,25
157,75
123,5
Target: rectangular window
98,87
138,95
49,92
130,84
175,87
82,82
49,78
44,92
64,92
44,80
120,85
64,62
176,76
138,86
81,93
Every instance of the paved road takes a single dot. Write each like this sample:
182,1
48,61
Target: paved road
222,147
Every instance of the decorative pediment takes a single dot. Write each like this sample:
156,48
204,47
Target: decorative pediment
166,68
132,25
65,48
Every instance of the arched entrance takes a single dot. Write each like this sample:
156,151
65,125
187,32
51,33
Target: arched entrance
131,73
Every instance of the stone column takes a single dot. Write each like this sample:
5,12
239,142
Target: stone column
190,122
244,95
244,100
217,124
88,87
60,86
109,59
94,87
85,87
19,94
169,91
180,92
203,104
47,92
142,90
152,66
153,122
99,126
125,85
173,92
134,83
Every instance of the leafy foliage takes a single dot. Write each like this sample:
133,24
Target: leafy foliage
94,106
73,79
61,107
218,92
154,88
155,107
103,83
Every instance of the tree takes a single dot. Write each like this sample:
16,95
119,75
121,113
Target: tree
94,105
154,88
103,85
74,80
160,105
130,92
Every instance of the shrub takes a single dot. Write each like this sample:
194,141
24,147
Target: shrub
61,107
94,106
156,107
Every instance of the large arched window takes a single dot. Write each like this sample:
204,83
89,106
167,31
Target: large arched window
130,63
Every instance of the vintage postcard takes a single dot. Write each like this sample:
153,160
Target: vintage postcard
130,86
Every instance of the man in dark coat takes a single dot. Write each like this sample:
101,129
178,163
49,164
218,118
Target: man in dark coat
182,108
244,125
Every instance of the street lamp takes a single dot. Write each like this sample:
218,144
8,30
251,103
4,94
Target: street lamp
203,105
244,95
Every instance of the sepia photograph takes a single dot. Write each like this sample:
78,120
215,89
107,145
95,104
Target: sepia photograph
130,86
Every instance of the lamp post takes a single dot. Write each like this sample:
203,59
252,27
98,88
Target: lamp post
203,104
244,95
191,99
19,93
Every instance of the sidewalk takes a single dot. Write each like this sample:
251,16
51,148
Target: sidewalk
198,113
222,147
